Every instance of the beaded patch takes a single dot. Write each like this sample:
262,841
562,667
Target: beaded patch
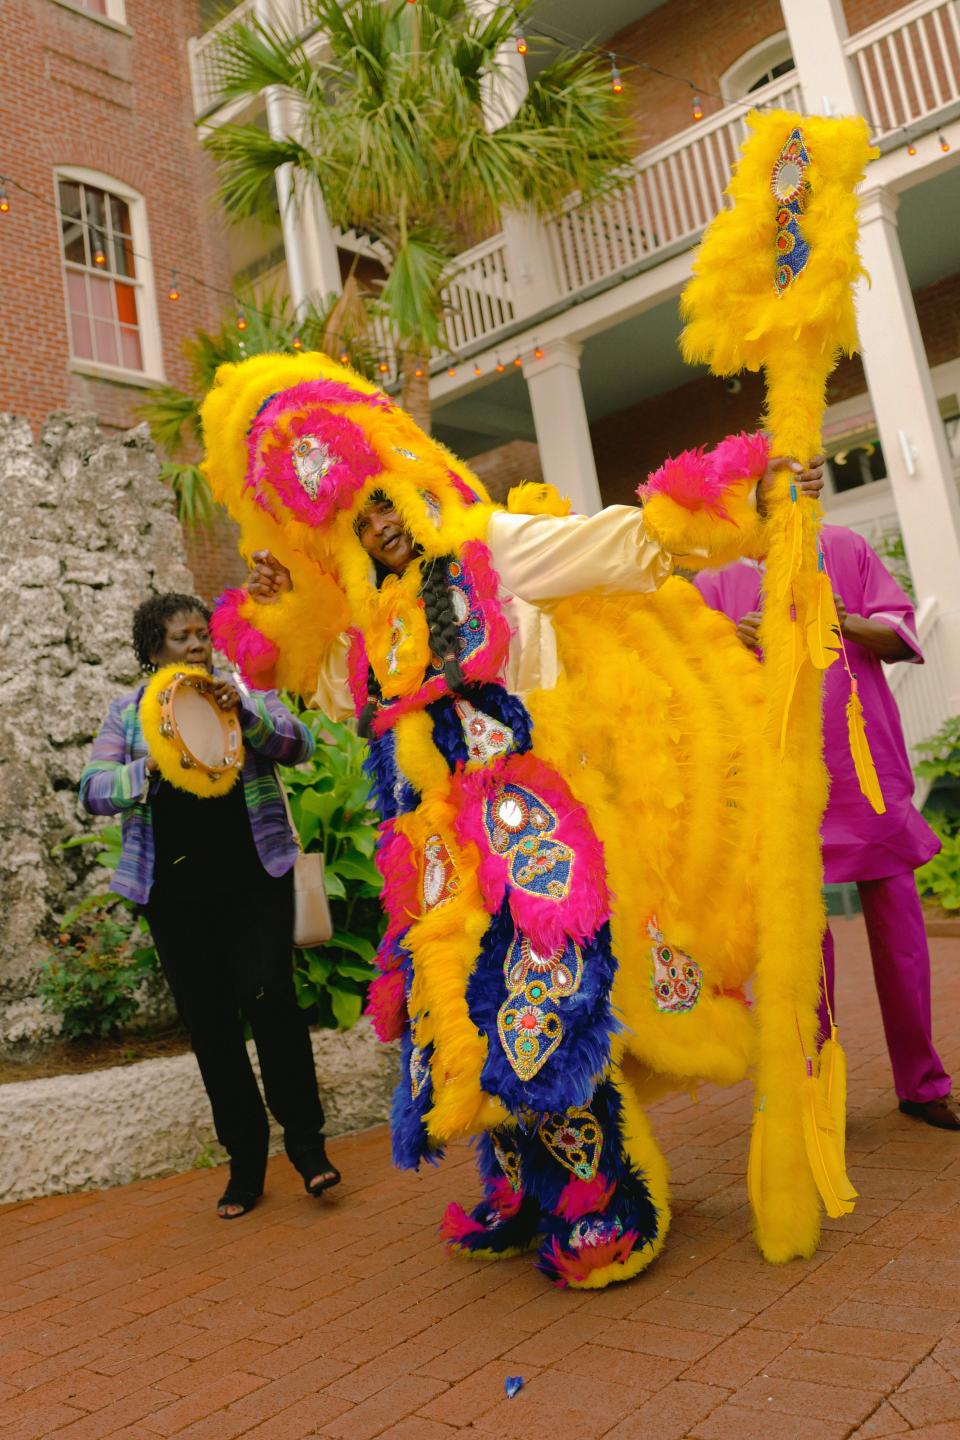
589,1232
485,737
676,979
519,827
528,1021
790,187
471,630
508,1158
312,462
575,1140
419,1071
440,879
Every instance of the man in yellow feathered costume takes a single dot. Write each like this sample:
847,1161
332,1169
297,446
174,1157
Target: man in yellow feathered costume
565,749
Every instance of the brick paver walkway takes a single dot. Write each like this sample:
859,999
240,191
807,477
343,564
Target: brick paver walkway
135,1313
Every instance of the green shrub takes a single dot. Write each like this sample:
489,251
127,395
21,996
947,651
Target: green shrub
93,977
940,877
333,812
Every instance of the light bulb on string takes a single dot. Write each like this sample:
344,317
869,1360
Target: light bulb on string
296,343
538,352
616,79
173,289
99,258
419,372
518,361
451,371
499,367
344,358
697,108
4,202
522,46
944,142
383,367
477,370
911,148
241,320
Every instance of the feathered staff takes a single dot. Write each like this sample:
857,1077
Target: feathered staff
773,289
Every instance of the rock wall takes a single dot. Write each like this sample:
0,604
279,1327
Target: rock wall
86,532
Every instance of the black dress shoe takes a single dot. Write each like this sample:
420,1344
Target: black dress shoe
943,1113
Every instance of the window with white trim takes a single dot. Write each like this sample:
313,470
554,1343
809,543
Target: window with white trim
106,9
111,310
757,67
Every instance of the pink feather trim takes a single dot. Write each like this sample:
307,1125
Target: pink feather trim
584,1197
397,864
357,670
699,480
578,1265
547,921
387,1005
504,1199
456,1224
254,655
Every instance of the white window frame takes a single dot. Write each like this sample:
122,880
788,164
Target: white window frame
151,347
735,82
115,18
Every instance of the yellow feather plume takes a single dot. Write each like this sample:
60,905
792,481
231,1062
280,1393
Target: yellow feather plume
824,1154
860,750
823,631
755,1162
832,1084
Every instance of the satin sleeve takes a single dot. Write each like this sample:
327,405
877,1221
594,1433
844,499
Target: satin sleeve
332,694
541,558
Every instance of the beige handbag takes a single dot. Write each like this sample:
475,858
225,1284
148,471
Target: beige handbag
312,924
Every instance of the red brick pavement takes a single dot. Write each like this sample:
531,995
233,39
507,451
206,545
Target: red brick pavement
134,1314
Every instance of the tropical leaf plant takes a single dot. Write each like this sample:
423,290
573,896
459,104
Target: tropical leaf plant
397,120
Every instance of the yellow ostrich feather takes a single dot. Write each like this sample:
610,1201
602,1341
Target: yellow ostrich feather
749,307
164,748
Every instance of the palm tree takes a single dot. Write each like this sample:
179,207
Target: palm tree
389,121
341,325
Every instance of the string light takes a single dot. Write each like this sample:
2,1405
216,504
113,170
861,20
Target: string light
944,142
4,202
518,362
538,353
499,367
296,343
477,370
522,46
344,358
697,108
241,320
98,257
173,290
383,367
911,147
452,371
419,373
616,79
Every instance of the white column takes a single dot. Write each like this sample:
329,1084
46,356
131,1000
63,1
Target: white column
560,417
313,265
905,405
817,30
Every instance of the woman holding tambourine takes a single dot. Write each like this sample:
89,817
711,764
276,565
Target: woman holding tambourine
188,762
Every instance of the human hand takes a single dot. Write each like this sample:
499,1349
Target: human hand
748,629
152,767
808,481
841,610
268,579
225,693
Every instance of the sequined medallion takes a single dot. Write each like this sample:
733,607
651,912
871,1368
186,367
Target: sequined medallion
790,187
575,1140
312,462
419,1071
485,737
519,827
676,979
528,1021
508,1158
440,879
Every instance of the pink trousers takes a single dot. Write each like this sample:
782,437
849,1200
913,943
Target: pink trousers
901,970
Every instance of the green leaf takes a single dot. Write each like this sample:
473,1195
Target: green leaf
358,869
347,1006
334,885
356,970
358,944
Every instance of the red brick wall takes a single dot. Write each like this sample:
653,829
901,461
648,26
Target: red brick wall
634,441
507,466
76,92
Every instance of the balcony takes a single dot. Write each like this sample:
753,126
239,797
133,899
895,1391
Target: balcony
908,68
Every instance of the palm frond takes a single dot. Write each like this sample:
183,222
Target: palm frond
195,504
172,416
247,160
251,56
412,294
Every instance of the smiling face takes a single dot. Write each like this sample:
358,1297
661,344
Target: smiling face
383,536
186,641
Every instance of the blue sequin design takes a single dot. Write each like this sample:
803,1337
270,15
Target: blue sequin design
519,826
789,187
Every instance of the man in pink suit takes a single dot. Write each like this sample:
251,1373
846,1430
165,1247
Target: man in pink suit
878,852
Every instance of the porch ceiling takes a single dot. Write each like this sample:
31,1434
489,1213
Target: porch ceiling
928,237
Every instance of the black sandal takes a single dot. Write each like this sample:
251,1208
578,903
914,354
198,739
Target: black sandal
236,1195
322,1174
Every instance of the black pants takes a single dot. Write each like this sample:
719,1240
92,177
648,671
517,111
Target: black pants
224,960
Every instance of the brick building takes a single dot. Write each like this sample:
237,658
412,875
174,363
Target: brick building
97,125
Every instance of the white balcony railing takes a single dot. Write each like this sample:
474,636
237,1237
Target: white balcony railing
920,691
479,298
908,64
206,73
675,190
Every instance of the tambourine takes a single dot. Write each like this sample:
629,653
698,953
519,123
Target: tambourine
197,745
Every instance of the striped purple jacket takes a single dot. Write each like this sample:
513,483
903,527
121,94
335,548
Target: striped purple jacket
115,783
